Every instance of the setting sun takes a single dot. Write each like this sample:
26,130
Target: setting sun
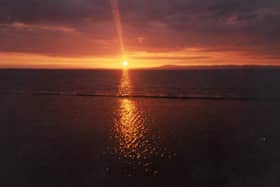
125,63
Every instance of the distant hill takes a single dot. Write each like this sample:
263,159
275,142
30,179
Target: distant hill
177,67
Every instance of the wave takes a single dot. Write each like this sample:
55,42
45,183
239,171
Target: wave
152,96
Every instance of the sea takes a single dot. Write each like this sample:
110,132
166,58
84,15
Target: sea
197,127
247,83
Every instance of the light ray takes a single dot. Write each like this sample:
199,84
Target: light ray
118,24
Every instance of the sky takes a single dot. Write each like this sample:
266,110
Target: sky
85,33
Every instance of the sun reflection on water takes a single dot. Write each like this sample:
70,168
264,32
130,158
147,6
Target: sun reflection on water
130,130
135,141
125,85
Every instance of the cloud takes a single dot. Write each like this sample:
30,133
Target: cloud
37,26
53,41
56,11
169,58
30,27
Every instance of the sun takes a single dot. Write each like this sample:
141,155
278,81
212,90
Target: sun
125,64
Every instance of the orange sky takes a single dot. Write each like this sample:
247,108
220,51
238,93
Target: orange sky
188,57
101,34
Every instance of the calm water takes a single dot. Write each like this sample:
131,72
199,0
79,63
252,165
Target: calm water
52,135
256,83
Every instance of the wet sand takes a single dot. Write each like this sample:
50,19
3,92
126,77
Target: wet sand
89,141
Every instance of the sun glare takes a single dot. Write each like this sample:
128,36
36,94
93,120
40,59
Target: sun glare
125,64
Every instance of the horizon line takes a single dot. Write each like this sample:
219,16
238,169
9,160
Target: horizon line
163,67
